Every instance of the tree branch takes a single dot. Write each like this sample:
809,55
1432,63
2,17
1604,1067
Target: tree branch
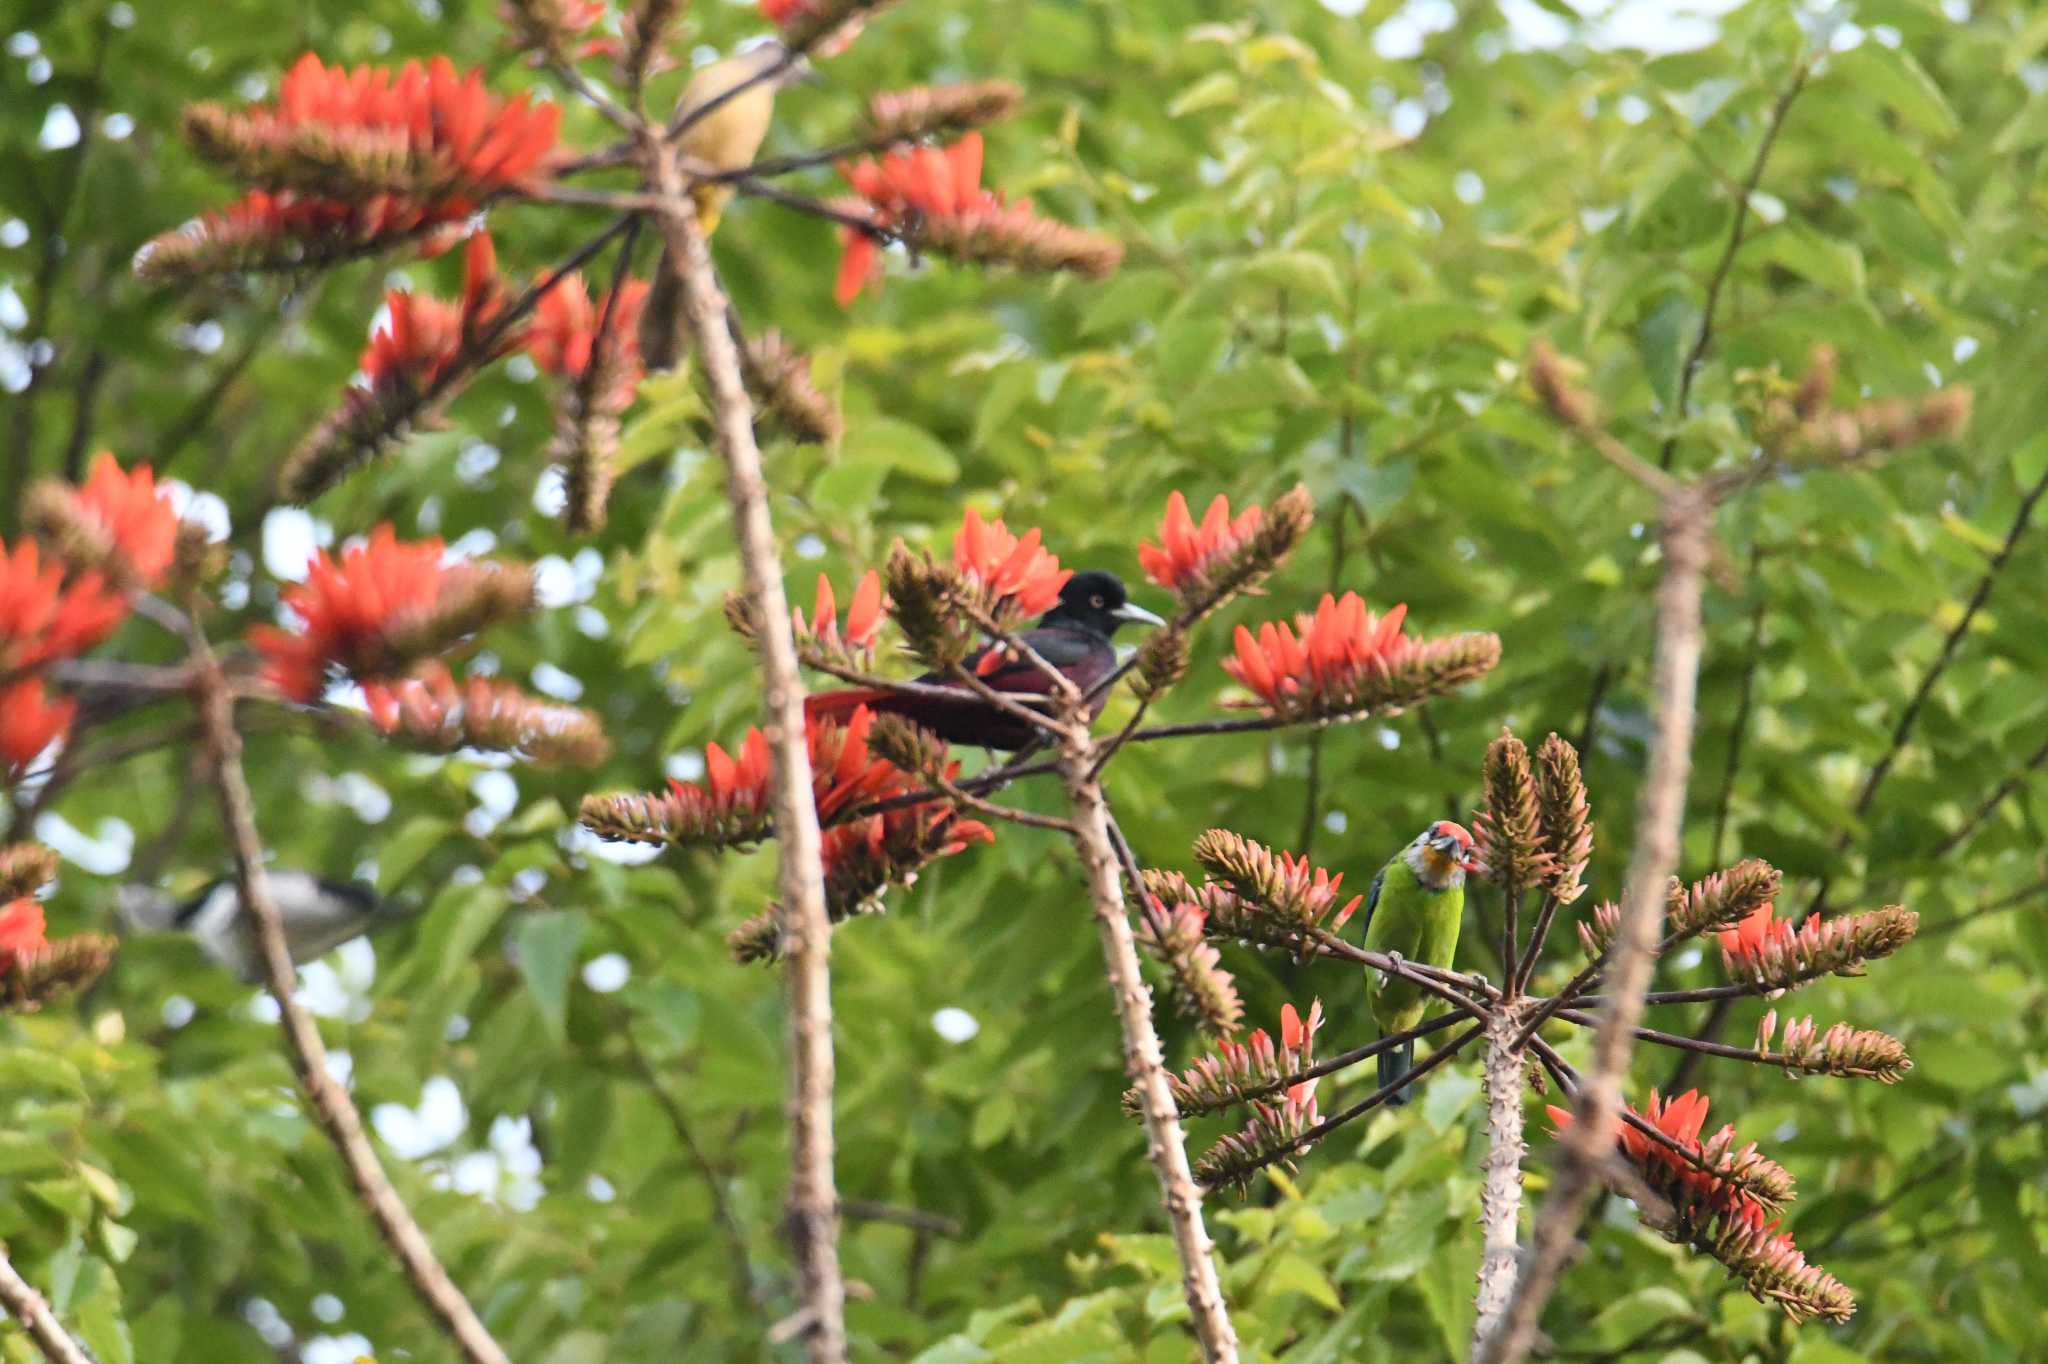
1500,1196
330,1101
1144,1061
807,931
30,1308
1904,729
1687,530
1719,280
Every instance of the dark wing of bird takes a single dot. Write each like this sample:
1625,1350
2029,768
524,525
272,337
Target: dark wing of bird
1372,901
1081,656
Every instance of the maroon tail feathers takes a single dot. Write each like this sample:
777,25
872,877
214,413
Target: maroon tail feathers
838,705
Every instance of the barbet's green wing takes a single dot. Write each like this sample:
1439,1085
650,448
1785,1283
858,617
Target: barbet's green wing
1399,923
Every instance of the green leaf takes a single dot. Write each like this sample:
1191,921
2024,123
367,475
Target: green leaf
909,450
1302,273
2030,462
1295,1274
1892,76
1662,340
1213,91
548,940
1832,264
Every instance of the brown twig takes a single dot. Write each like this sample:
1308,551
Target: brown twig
813,1200
30,1308
1992,802
1719,279
330,1101
1686,536
745,1298
1144,1061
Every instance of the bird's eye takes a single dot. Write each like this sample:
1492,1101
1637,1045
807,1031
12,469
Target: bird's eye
1096,601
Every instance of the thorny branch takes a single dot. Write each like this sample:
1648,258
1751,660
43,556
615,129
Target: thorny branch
330,1101
1686,535
813,1198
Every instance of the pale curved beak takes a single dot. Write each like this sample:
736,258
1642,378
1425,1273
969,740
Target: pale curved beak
1131,611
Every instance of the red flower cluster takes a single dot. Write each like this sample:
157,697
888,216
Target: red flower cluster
863,617
1280,884
21,932
117,529
288,230
43,616
934,196
563,338
1187,553
421,355
417,348
133,516
1014,578
1765,951
425,133
383,606
1252,1065
1721,1199
1336,648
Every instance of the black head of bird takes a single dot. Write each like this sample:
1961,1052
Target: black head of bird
1095,601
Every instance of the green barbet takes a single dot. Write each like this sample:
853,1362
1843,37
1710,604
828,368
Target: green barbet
1413,912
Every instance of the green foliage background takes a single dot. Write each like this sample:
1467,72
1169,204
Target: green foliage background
1337,260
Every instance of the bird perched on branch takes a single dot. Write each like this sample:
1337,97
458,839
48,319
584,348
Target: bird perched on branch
1073,637
730,135
727,139
319,915
1413,911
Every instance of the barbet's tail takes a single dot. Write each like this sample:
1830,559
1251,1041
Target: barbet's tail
1394,1065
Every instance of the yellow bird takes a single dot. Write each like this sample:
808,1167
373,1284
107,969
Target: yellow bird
730,136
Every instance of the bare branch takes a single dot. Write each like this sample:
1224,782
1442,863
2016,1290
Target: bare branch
806,929
29,1308
1144,1061
330,1101
1687,531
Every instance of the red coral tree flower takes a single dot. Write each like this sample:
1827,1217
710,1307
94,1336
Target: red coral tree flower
1014,577
417,359
1187,553
1335,649
29,724
378,609
426,133
863,617
934,197
120,523
564,335
136,515
43,617
22,932
288,230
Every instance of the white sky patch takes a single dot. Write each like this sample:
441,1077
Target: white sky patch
552,681
472,544
60,129
415,1132
581,841
104,852
955,1025
290,535
607,973
554,582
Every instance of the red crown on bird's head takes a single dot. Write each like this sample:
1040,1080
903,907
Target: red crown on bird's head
1458,834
